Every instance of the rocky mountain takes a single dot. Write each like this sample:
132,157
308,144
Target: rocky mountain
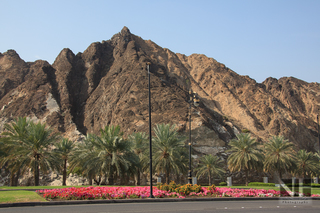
107,84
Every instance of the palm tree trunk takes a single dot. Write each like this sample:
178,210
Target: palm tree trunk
16,179
210,184
122,179
247,174
138,183
279,176
167,176
279,170
64,175
90,177
111,176
12,179
36,173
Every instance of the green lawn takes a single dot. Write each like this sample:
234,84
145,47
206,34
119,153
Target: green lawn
36,187
313,190
20,196
255,187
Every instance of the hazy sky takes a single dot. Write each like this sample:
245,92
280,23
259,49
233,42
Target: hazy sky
259,38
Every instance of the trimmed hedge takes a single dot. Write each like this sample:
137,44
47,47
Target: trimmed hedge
223,184
314,185
261,184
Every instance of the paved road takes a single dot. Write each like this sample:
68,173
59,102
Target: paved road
273,206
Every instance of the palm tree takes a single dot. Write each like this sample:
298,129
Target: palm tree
279,155
245,154
63,150
317,156
307,163
107,154
168,147
210,165
13,134
139,143
79,159
30,147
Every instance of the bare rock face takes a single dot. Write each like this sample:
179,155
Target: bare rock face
107,85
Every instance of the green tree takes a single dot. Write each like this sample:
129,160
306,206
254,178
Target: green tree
168,147
307,163
245,154
79,163
13,134
210,165
64,150
279,155
30,147
108,154
140,144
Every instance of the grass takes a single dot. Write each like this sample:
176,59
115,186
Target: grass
255,187
50,187
35,187
20,196
313,190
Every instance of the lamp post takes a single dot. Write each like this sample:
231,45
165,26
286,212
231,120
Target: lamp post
195,101
150,136
318,131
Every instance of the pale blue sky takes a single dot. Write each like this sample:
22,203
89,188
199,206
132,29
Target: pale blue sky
259,38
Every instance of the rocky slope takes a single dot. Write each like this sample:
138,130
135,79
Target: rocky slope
107,85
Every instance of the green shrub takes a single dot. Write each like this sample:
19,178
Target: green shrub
184,189
222,184
315,185
261,184
245,131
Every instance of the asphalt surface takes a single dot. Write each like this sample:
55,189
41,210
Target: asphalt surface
244,204
222,205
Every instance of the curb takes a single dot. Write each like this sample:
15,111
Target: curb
146,200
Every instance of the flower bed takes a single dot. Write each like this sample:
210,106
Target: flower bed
91,192
160,191
87,193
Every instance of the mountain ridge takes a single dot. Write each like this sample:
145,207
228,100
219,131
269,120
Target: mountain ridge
107,85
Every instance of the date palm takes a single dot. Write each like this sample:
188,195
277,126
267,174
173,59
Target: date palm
31,147
139,142
79,159
13,134
307,163
279,155
245,155
210,165
107,154
168,147
63,150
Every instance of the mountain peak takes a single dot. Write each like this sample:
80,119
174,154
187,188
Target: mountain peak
12,53
125,30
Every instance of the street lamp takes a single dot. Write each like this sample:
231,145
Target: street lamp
318,131
150,136
193,99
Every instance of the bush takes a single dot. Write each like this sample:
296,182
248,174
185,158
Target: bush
261,184
245,131
222,184
184,189
315,185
